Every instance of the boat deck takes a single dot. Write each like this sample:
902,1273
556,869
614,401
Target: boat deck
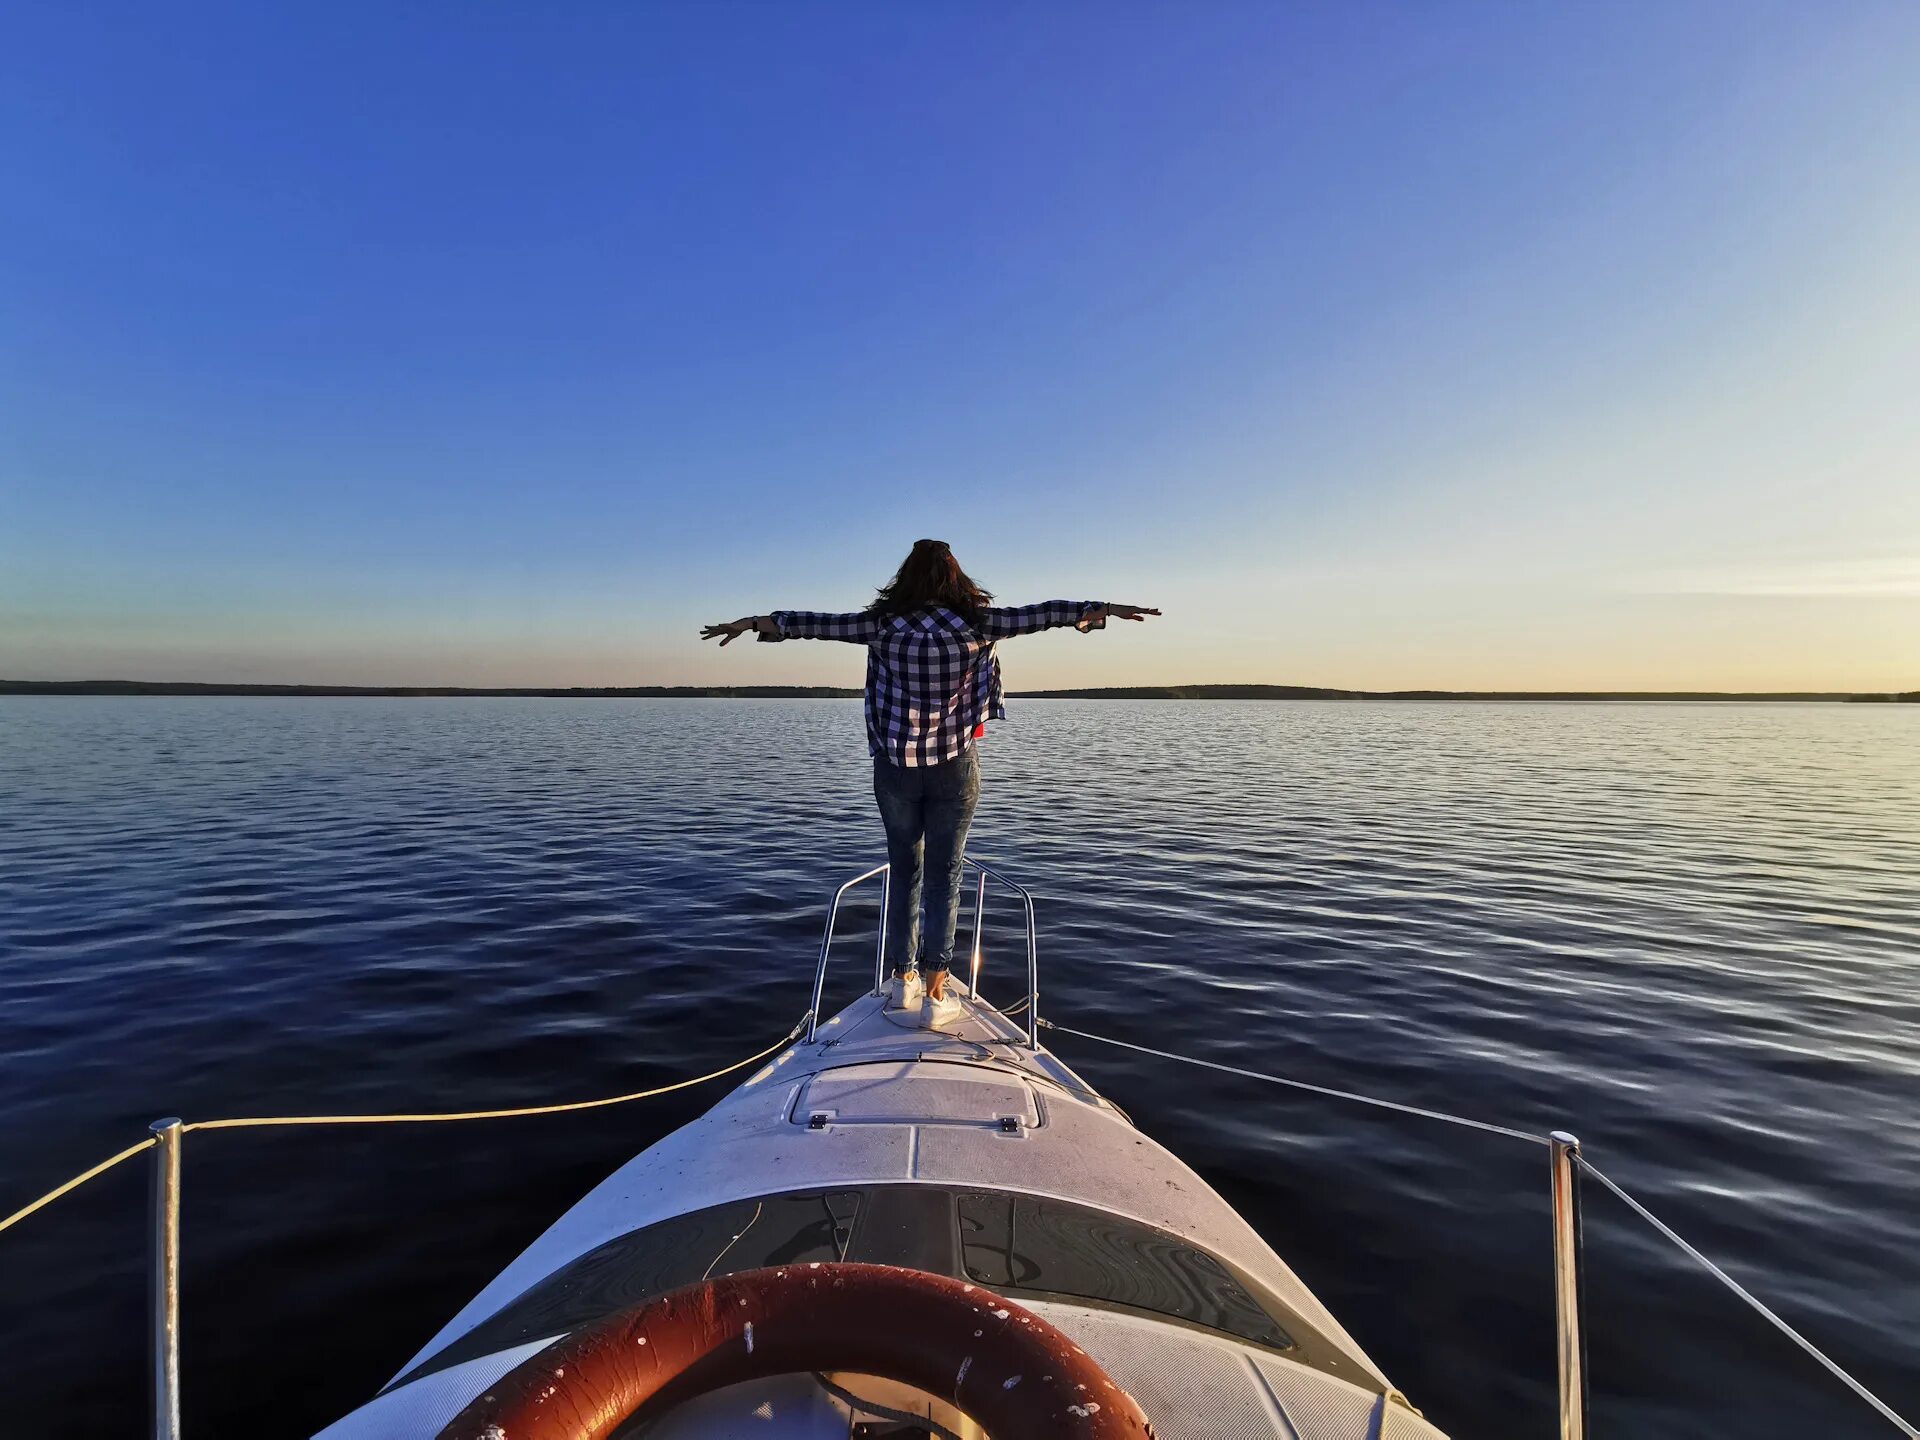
875,1101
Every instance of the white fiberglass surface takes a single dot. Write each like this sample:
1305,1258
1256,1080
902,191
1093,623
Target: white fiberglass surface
1075,1147
425,1406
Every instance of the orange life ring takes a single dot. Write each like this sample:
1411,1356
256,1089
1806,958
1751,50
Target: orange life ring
1004,1366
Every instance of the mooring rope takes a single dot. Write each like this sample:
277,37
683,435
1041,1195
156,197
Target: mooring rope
254,1122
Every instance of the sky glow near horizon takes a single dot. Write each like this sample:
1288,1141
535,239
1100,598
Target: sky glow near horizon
1383,347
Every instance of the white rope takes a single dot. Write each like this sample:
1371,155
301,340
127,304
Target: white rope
76,1182
1752,1300
1303,1085
272,1120
258,1121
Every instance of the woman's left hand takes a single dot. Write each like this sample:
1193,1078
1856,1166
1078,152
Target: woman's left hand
731,631
1124,612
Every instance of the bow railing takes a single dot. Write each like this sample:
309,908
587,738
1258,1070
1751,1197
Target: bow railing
885,875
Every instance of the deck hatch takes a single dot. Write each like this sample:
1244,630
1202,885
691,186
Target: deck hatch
908,1092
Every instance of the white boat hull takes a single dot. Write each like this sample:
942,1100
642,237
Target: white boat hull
973,1118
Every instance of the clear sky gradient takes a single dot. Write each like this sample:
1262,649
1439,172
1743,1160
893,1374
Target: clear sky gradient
1380,345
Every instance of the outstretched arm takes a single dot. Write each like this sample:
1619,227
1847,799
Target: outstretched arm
858,626
997,622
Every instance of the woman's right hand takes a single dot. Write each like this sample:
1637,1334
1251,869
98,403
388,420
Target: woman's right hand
1128,612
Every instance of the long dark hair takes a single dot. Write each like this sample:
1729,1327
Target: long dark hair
930,576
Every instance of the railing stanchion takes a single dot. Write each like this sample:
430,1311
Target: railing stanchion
1033,976
1565,1172
979,916
165,1274
880,949
826,942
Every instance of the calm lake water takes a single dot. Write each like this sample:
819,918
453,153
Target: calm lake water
1688,933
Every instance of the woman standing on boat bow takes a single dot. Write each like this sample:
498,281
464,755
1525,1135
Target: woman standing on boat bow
933,682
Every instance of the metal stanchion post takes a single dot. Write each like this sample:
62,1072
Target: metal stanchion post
165,1272
1565,1173
979,915
1033,977
880,948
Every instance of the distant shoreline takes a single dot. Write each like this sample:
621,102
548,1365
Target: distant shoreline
1307,692
829,692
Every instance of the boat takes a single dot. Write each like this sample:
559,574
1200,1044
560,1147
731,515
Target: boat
892,1231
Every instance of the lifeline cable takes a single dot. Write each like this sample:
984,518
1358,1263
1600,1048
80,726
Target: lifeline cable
1666,1231
1752,1300
1507,1130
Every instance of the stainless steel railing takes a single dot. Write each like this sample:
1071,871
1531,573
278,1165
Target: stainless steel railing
1566,1163
165,1279
1563,1149
165,1142
1032,1002
826,944
1570,1323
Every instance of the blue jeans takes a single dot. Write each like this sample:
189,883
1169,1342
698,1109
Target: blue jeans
926,810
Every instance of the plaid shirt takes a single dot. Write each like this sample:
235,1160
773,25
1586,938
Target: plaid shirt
931,677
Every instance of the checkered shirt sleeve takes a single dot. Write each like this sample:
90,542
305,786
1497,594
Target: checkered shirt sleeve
859,627
1001,622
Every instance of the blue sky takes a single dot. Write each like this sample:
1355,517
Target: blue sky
1379,345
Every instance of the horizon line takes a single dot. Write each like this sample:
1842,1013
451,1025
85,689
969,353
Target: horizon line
1187,691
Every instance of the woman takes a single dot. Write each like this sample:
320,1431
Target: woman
932,684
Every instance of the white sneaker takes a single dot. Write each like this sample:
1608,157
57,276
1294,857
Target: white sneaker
940,1014
905,992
